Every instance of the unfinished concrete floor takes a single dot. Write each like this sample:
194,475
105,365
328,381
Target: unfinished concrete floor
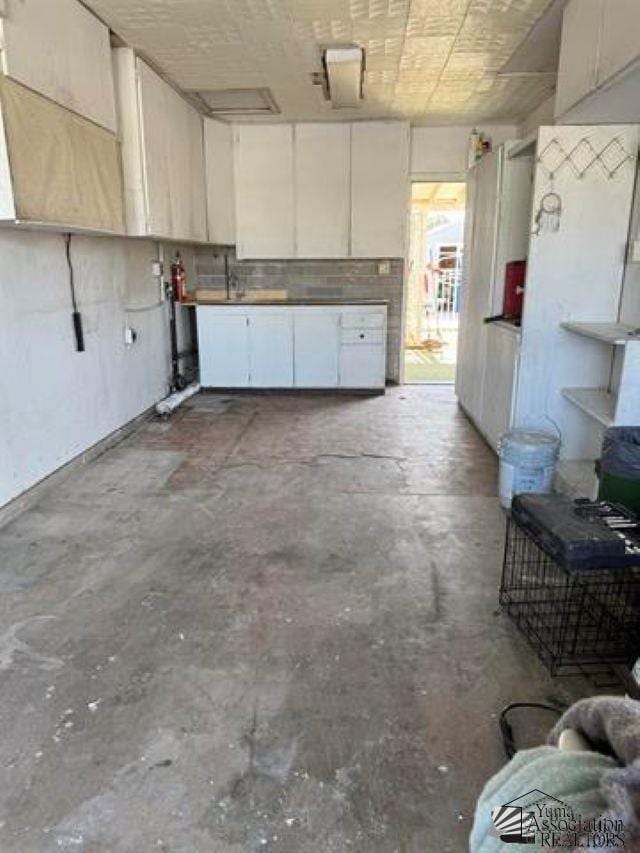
268,624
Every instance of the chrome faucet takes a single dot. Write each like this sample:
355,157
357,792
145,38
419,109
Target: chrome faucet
234,284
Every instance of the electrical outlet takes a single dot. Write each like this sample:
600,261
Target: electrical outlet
156,268
130,336
634,252
384,267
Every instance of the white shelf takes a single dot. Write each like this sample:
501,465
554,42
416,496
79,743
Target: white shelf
598,403
615,334
525,148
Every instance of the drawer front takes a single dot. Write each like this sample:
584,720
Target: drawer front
362,320
362,336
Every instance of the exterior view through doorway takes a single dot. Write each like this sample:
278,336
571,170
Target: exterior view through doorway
434,281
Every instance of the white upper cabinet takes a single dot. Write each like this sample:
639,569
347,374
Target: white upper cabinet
218,150
60,50
620,42
162,154
264,191
379,188
578,68
322,166
600,44
333,190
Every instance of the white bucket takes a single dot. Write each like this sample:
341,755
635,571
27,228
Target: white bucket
527,463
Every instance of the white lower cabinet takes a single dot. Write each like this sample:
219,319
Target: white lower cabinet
316,349
342,346
223,347
270,349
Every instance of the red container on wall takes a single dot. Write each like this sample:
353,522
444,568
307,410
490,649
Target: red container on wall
514,279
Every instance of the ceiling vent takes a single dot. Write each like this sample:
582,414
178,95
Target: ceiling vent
239,102
344,68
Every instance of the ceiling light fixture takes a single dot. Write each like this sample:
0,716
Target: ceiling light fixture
344,67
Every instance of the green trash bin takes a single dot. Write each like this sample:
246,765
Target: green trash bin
619,467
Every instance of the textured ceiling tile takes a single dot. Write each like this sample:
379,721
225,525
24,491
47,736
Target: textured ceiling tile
436,8
428,60
433,26
339,29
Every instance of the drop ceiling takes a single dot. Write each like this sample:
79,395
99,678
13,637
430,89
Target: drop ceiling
433,62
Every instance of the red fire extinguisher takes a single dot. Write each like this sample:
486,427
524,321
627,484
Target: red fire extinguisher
178,279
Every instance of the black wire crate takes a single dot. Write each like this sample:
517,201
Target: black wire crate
577,615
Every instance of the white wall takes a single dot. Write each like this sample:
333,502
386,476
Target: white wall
56,402
442,151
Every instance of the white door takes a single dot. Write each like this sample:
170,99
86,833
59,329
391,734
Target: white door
271,349
264,191
316,349
362,366
322,190
223,345
379,189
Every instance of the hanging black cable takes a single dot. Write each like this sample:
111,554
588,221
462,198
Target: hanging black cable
75,316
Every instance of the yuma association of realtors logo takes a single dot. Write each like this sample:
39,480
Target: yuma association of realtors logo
539,819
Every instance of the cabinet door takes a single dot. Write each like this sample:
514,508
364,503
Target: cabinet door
479,276
379,189
183,128
502,346
218,142
316,349
264,191
62,51
322,190
223,345
620,42
195,187
362,366
270,349
577,71
156,151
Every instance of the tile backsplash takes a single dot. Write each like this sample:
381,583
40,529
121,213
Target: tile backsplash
315,279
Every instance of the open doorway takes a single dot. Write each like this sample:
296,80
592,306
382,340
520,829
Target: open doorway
434,281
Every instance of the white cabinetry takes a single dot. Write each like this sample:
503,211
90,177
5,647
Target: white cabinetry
270,348
62,51
316,348
484,182
322,162
223,348
499,382
264,191
599,68
57,169
560,368
321,190
218,152
162,153
362,339
341,346
379,188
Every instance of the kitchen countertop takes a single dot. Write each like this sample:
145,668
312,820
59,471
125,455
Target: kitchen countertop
289,301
